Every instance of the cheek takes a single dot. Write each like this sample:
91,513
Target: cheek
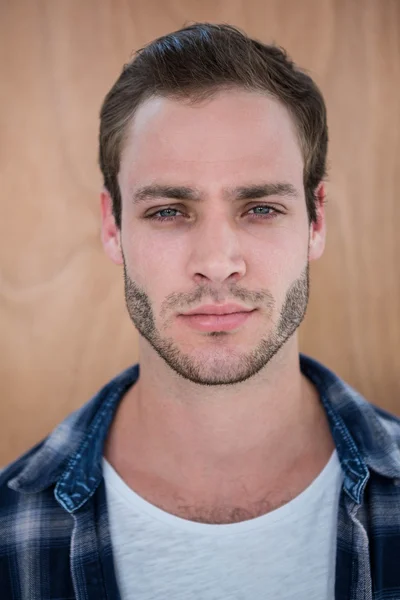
276,265
283,252
152,260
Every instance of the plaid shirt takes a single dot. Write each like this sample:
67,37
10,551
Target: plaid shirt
54,536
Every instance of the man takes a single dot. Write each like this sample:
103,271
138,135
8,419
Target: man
223,464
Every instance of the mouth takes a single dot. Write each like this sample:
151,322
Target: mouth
209,322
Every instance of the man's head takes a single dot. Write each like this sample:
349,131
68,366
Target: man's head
228,135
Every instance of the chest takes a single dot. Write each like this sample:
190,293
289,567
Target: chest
212,506
220,511
242,561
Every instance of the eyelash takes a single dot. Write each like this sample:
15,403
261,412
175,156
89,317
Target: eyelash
255,216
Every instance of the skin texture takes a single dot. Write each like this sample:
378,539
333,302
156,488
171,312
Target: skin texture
210,410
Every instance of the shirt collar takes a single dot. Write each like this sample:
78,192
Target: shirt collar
71,455
364,435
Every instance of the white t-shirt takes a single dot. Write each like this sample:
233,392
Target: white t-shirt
289,553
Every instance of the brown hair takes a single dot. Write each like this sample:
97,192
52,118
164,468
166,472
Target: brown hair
196,62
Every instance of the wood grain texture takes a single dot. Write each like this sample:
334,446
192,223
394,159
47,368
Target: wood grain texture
64,326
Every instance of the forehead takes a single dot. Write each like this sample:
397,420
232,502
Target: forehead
236,133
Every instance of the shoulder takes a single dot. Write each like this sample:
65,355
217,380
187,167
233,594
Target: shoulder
13,469
390,424
35,534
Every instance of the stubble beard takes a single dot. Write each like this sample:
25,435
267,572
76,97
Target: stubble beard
220,366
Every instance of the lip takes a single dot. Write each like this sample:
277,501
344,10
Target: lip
218,309
224,322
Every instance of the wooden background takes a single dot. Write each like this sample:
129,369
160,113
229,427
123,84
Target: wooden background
64,327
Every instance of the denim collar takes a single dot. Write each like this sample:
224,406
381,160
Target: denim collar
71,455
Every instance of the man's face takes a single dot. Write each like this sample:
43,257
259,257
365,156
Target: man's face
227,239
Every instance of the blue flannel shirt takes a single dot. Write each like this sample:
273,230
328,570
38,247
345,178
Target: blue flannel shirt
54,535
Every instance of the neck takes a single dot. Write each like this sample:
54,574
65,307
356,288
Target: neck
167,425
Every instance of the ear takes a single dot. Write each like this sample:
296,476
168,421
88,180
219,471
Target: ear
318,230
110,233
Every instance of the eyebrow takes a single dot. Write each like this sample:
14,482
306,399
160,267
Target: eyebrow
149,192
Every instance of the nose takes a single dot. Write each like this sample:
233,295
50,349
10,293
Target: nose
216,254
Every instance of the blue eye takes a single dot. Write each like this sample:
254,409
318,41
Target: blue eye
271,214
